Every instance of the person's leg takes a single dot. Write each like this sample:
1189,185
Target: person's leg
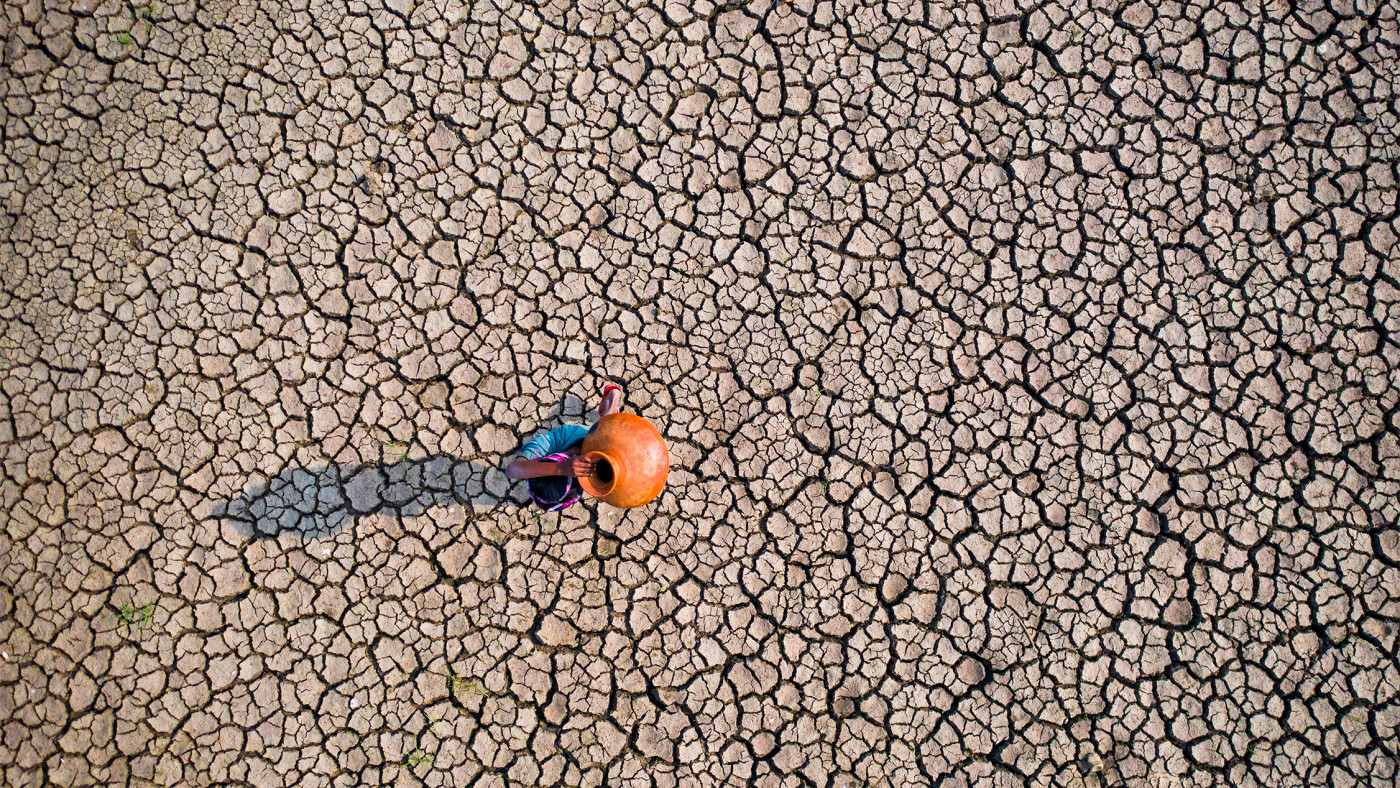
612,400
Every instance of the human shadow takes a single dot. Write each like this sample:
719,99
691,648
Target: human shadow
319,502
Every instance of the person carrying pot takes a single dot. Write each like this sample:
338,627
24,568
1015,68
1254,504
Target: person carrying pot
551,462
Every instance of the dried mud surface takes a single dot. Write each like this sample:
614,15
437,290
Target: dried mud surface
1030,374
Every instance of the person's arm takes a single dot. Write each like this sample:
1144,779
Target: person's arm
522,468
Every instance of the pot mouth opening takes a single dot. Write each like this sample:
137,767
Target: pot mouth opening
604,475
604,472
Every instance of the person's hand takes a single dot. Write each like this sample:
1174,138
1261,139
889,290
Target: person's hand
579,466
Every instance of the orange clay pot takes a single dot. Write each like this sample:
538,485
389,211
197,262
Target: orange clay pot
631,458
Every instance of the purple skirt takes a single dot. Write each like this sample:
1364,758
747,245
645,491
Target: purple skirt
552,493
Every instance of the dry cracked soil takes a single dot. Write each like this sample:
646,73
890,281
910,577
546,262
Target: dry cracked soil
1029,369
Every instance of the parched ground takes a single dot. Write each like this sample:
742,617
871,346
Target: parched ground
1030,374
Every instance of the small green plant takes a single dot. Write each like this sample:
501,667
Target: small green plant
464,684
123,39
138,617
413,759
399,449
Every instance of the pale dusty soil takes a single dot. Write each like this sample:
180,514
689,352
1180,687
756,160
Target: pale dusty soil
1029,372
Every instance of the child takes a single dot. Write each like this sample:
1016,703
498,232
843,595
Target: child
551,462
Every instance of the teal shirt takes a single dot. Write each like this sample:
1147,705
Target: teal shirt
555,441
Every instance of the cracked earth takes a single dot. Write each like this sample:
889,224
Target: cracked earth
1029,373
